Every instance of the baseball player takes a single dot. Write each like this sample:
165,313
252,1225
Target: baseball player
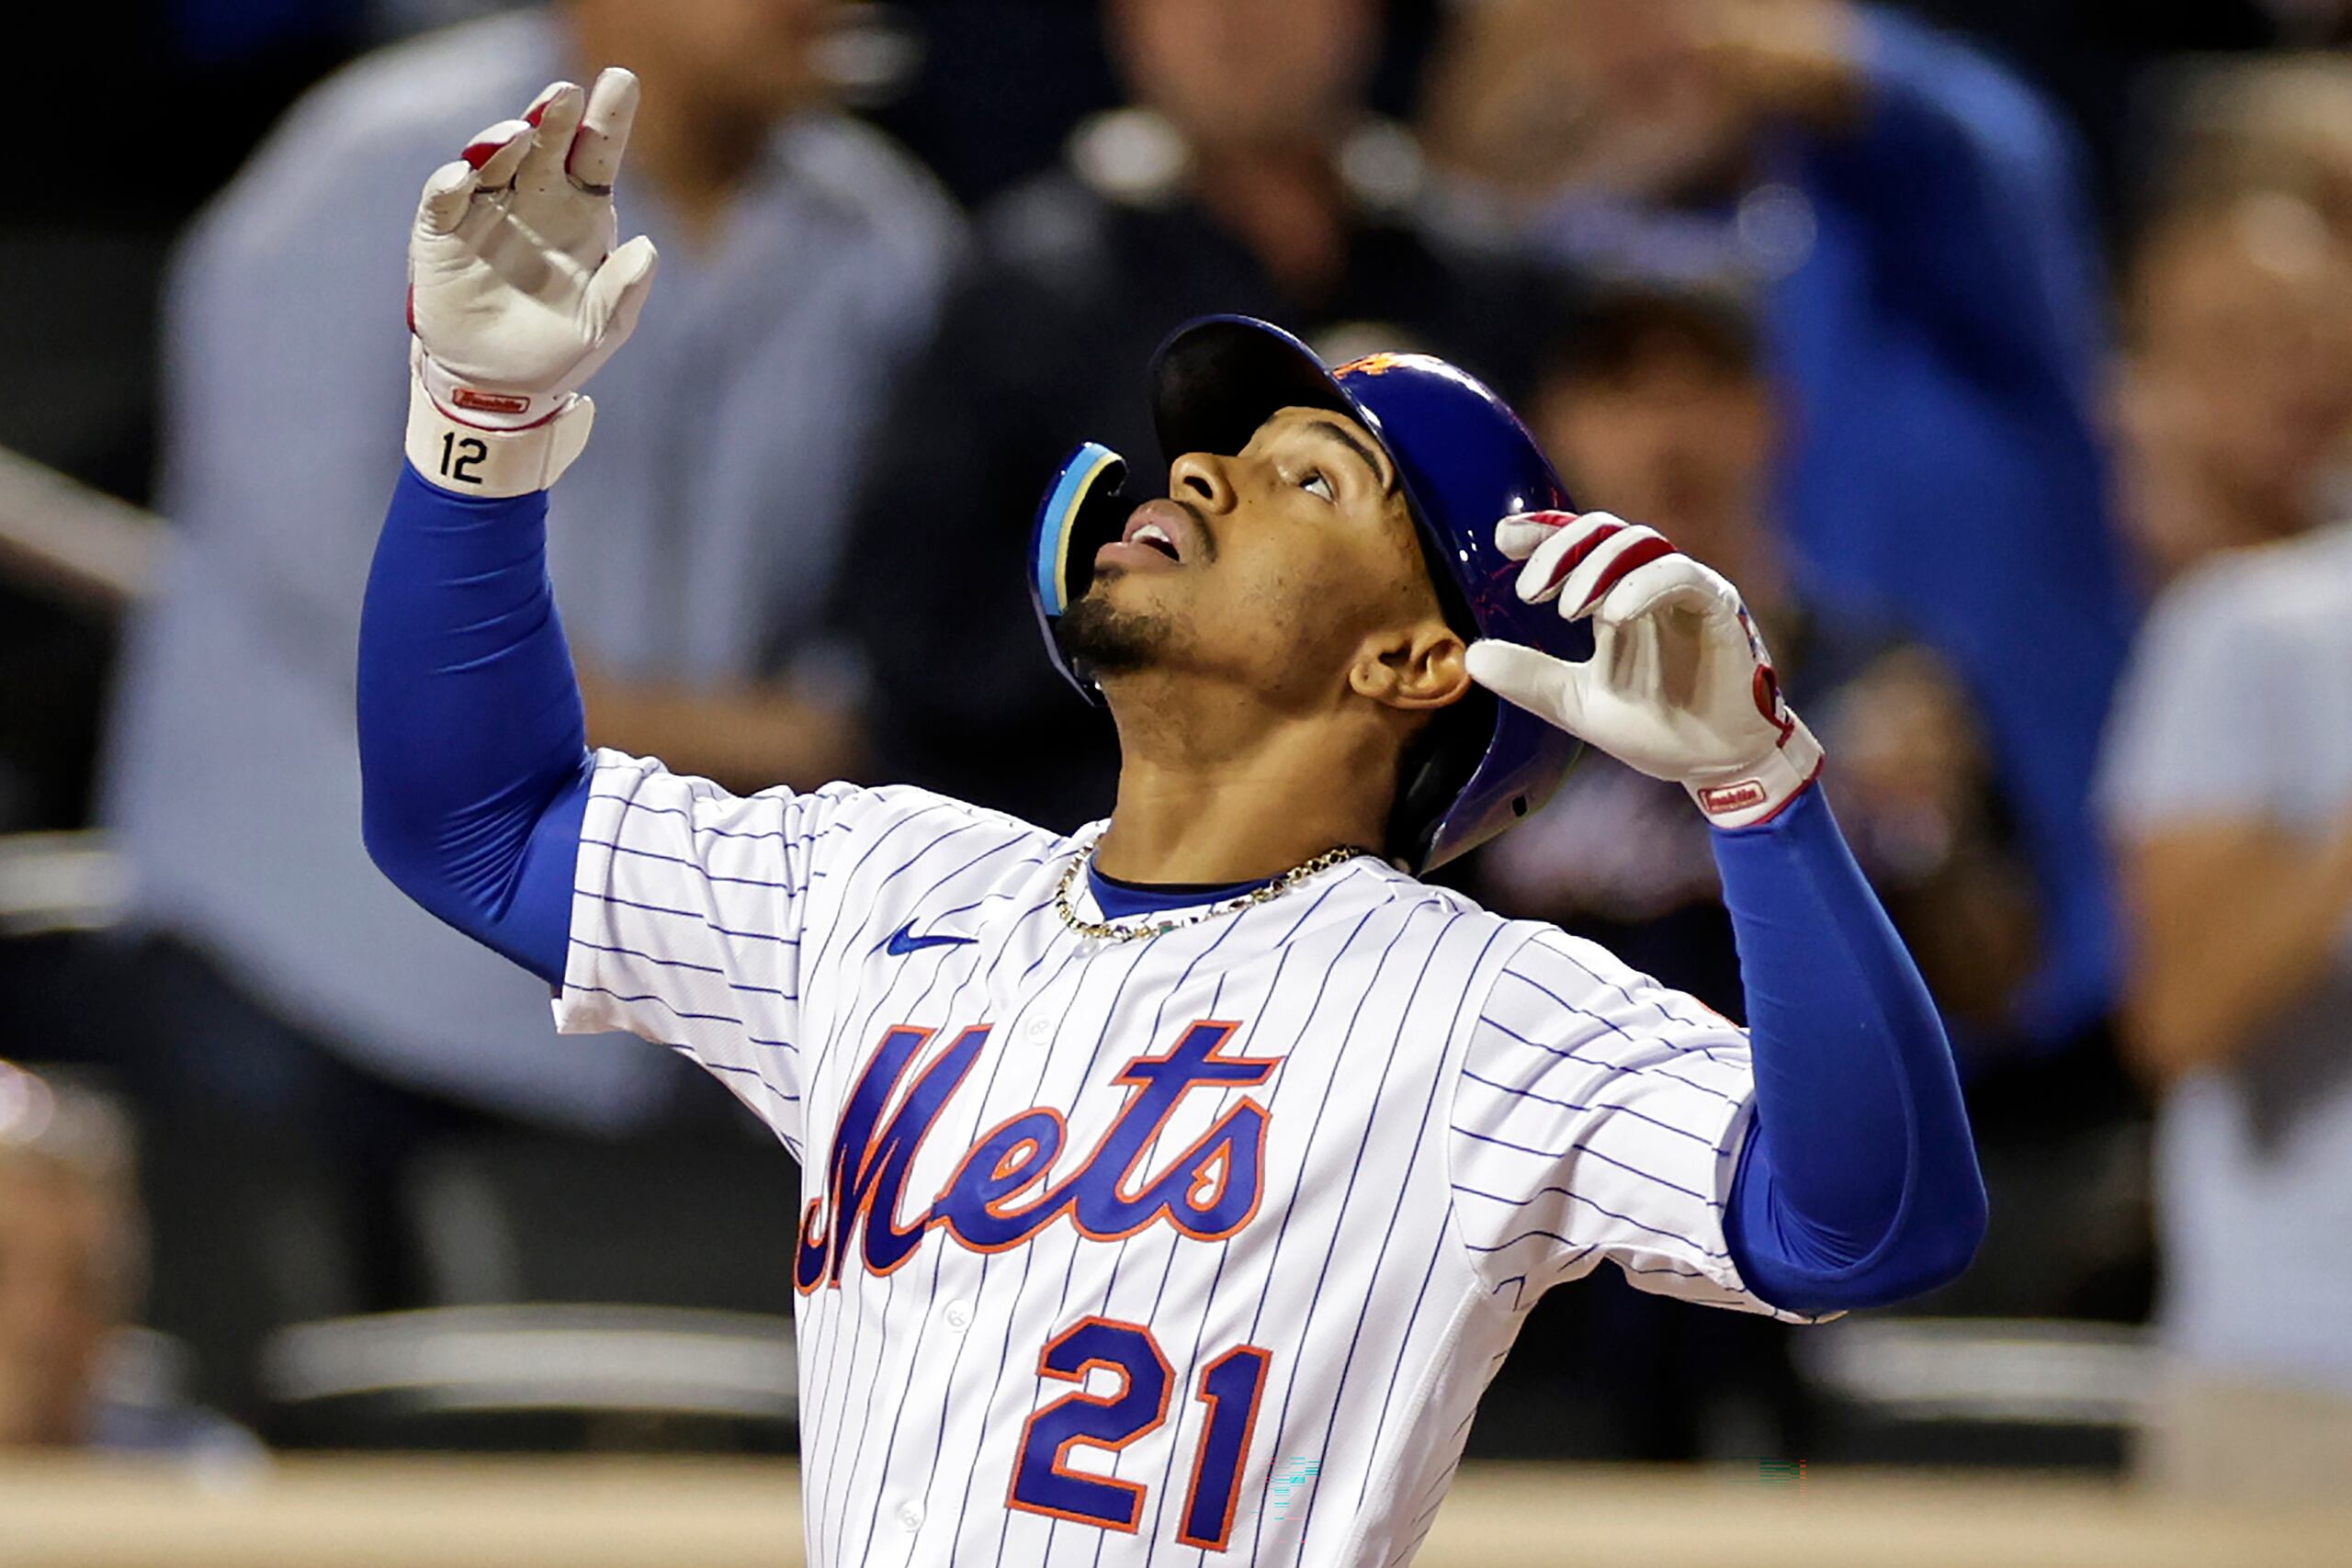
1173,1187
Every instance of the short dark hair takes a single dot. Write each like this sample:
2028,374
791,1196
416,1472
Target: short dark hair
1605,330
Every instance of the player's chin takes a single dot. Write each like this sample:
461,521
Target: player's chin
1109,632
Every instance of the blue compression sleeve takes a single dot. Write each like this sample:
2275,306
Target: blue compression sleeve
1858,1183
472,742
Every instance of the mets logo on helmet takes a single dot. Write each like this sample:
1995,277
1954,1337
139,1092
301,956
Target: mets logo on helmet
1371,365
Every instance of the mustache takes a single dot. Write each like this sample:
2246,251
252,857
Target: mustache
1206,534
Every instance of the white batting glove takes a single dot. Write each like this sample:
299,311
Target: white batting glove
1679,686
516,294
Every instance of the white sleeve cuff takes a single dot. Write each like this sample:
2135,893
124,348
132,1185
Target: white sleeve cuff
469,459
1758,794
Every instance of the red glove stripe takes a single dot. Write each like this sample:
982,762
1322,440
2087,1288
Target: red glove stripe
1578,552
1635,556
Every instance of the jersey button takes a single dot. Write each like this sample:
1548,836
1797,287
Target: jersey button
910,1516
957,1315
1041,1030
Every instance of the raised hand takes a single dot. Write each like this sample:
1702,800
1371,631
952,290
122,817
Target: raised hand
517,292
1680,685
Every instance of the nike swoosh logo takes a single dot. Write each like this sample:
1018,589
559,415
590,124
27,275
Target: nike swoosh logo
903,941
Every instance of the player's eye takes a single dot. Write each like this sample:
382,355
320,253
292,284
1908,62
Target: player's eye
1316,484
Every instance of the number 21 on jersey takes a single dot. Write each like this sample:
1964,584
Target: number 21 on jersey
1230,1389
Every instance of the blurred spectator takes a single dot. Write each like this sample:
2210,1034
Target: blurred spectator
2228,780
2267,123
72,1258
2235,394
1654,403
802,254
800,258
1248,177
1912,218
2234,400
2227,788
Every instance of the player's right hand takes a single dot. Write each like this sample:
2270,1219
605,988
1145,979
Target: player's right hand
517,292
1680,685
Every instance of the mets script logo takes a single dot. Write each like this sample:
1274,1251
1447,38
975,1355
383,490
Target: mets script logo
1000,1197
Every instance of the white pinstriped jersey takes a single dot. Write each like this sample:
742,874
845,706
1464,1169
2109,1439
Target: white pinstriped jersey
1192,1249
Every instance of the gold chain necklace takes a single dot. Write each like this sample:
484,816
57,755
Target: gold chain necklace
1108,931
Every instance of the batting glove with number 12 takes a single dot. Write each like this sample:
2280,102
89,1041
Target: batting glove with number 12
517,293
1679,686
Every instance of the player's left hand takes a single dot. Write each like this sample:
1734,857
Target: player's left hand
518,292
1679,686
517,288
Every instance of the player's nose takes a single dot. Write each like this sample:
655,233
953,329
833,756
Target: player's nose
1203,481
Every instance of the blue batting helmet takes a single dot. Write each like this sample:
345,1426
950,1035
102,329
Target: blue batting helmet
1463,462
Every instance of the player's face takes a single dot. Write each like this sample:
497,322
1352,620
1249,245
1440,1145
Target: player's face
2241,360
1247,73
1288,571
735,58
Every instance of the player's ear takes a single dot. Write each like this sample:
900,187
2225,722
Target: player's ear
1416,666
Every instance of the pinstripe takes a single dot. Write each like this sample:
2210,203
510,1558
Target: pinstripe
679,1012
865,1428
1442,1240
784,834
1029,1254
1380,1422
690,914
1273,1106
979,1114
1582,1251
854,1044
1355,1339
712,969
1549,1111
849,872
1614,1067
858,1043
1656,999
1580,1197
1589,1149
694,865
1167,1265
1159,1023
1306,1329
1320,991
837,1299
1071,954
1578,1105
1273,985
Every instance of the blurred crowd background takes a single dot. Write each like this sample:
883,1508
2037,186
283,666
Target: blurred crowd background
2001,352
